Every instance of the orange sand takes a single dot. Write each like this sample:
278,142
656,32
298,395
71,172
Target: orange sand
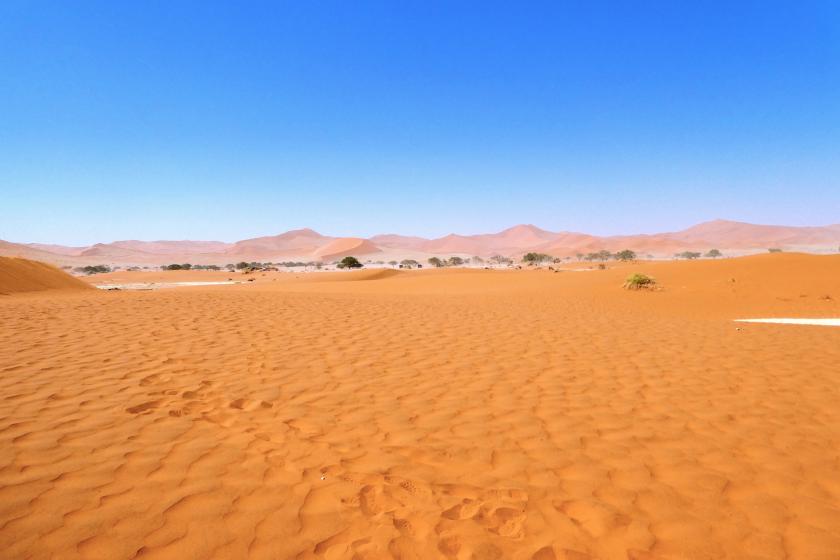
22,275
428,414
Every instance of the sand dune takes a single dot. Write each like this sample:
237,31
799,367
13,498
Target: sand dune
343,247
22,275
173,247
735,237
739,234
428,414
299,242
355,275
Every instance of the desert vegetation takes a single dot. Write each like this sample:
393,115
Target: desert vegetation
349,262
536,258
92,269
639,281
602,255
688,255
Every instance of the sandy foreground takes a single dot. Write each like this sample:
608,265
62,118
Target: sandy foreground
427,414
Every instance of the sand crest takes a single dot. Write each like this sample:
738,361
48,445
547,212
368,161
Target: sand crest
22,275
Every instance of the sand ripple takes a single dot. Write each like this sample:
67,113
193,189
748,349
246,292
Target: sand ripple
331,423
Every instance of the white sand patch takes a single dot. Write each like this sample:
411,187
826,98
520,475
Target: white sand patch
820,322
159,285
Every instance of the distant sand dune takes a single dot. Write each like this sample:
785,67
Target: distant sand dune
343,247
733,238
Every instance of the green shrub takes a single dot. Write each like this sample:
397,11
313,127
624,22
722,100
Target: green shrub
626,255
690,255
97,269
349,262
536,258
639,282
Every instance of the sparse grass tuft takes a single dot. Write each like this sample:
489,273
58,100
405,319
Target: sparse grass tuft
639,282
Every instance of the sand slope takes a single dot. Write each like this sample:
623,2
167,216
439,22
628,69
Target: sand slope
428,414
343,247
737,237
22,275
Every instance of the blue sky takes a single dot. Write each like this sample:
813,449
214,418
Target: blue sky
205,120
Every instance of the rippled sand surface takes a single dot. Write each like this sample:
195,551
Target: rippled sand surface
429,414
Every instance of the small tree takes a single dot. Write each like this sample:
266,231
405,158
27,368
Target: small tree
690,255
97,269
435,262
174,267
455,261
393,263
242,265
626,255
774,250
349,262
410,263
535,258
713,254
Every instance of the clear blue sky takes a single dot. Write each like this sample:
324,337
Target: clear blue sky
207,120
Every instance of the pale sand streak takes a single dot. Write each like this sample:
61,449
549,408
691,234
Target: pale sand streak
820,322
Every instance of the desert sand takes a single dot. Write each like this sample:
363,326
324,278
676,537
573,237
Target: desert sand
22,276
522,414
733,238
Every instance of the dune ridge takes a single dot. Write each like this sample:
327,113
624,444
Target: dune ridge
23,275
307,244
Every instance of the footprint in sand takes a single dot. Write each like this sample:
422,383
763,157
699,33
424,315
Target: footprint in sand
248,404
143,407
